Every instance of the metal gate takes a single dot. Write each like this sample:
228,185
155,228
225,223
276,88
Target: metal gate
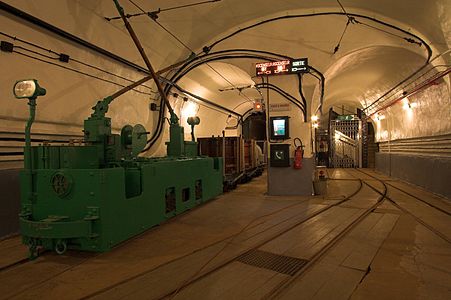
346,143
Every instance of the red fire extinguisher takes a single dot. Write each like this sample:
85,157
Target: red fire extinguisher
298,154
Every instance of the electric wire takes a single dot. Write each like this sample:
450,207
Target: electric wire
156,12
352,15
198,60
342,7
388,32
77,71
270,56
212,108
173,35
351,20
224,57
198,97
187,47
14,38
337,47
239,104
411,40
283,93
301,93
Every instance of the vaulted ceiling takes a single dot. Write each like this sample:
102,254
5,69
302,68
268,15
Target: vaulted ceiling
384,42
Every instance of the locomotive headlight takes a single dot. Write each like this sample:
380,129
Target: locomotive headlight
28,89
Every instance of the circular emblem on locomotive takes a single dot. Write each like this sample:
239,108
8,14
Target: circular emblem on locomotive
61,184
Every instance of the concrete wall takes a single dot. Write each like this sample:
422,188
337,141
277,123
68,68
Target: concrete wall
10,202
432,173
289,181
429,114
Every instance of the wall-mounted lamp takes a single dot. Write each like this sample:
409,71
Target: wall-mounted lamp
406,104
315,121
379,117
189,109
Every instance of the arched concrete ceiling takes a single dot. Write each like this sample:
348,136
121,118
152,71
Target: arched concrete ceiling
205,82
363,75
368,62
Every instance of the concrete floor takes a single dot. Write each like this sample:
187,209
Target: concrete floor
351,243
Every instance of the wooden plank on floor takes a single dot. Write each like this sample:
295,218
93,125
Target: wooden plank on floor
434,199
340,285
24,277
431,216
11,251
169,277
236,281
412,263
324,281
275,225
340,270
307,238
369,243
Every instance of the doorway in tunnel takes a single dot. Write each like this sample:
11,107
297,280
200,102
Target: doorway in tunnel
351,140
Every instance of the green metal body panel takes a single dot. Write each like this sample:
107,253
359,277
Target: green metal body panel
104,207
93,196
191,149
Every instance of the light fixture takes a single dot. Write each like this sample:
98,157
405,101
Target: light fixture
190,109
407,105
315,125
28,88
379,117
315,118
258,106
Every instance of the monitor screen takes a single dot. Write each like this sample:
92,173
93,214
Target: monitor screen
279,128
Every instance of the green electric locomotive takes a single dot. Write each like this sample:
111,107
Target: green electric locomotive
100,193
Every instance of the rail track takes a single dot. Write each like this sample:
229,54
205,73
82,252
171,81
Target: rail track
87,256
200,274
406,211
283,285
214,264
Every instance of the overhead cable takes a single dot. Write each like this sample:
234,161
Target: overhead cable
154,14
187,47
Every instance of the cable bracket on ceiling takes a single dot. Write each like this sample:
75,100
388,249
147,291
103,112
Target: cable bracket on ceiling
154,14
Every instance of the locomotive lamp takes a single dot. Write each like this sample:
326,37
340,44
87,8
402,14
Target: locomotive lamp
193,121
28,89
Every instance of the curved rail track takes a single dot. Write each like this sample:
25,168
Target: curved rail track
213,264
24,262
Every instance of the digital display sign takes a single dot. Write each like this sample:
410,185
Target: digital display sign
282,67
279,128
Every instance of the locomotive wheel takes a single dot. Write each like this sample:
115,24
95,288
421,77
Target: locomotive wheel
60,247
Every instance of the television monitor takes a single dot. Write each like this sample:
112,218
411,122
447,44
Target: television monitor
279,127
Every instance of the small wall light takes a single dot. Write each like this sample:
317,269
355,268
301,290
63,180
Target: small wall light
406,104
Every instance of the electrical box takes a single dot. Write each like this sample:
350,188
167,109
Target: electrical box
279,155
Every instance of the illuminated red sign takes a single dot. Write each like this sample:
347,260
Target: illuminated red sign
272,68
282,67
